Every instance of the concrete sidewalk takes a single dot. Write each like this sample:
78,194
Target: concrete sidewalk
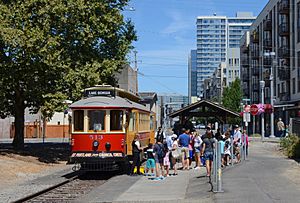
187,186
266,176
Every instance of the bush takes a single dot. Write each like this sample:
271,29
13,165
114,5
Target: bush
291,146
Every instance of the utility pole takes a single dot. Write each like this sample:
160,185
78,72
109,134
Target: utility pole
136,69
262,86
273,63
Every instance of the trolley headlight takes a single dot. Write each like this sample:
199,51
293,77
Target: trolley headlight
95,143
107,146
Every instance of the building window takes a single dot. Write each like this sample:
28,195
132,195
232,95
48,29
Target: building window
294,86
236,62
278,90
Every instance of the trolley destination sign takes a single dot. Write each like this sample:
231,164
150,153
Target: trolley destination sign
97,93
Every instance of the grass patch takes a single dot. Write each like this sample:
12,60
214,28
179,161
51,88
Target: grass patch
255,135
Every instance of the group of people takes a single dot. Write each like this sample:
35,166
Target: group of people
164,156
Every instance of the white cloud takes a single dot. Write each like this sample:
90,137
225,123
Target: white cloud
179,23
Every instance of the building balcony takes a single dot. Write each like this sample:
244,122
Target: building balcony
283,29
268,25
267,61
284,7
267,43
284,51
255,54
255,37
285,96
245,62
255,71
246,77
255,87
245,49
284,73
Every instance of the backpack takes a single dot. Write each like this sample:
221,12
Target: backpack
161,151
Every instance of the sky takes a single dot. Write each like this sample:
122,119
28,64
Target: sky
166,31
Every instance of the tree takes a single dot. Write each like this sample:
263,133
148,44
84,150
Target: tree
232,97
51,49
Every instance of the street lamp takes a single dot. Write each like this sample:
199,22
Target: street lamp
262,87
272,56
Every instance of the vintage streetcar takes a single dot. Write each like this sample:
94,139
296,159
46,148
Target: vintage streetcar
104,124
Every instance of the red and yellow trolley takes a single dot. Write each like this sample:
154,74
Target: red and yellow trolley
104,124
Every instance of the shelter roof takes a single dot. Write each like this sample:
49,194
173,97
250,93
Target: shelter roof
207,109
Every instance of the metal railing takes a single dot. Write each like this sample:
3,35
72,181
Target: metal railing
217,162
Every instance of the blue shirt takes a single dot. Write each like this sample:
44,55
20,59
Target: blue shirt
222,146
184,140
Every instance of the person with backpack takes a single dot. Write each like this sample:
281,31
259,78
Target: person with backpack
159,154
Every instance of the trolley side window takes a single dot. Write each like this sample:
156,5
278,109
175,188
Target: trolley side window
96,120
132,122
151,122
116,120
144,122
78,120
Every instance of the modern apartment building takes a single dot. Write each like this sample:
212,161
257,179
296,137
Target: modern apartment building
192,75
215,35
276,29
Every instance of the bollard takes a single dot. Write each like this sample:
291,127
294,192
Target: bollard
219,170
231,149
215,162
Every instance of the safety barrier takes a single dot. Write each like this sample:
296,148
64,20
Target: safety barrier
217,184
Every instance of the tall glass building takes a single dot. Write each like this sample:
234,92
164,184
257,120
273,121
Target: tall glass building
215,35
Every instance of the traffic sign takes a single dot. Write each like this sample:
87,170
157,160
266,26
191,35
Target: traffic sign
247,108
254,109
246,117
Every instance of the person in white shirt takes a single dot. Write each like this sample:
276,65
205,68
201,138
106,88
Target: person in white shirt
237,140
197,148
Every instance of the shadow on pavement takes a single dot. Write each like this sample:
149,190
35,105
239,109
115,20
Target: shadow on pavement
45,152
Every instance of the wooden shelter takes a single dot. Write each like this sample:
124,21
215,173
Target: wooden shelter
204,109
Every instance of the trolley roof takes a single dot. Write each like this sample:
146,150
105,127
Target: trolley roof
107,102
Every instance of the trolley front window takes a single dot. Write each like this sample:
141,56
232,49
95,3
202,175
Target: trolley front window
78,120
116,120
96,120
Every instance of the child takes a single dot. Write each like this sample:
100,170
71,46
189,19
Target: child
227,153
222,142
167,163
150,163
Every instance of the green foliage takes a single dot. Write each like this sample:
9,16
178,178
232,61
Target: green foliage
51,49
232,97
291,146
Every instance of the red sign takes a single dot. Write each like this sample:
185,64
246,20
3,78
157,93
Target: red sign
268,108
254,109
247,108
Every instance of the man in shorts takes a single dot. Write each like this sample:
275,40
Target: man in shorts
184,141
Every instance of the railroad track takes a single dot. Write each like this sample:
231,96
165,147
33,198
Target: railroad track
67,191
